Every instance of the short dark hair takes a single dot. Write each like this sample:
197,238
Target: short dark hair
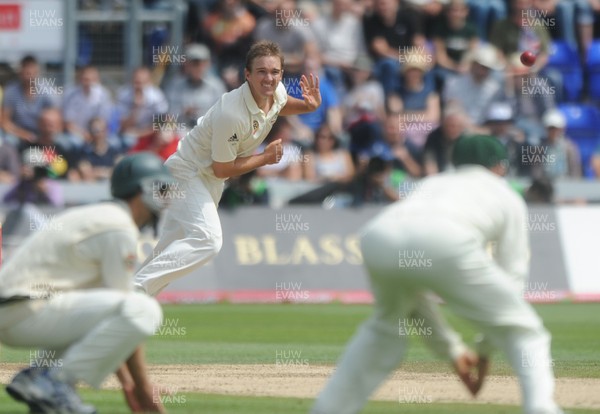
28,60
261,49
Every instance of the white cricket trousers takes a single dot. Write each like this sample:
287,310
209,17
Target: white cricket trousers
471,284
87,334
190,236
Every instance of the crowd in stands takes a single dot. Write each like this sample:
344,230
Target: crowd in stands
401,81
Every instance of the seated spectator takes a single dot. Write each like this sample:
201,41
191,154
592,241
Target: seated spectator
561,17
194,93
35,185
484,13
22,105
296,40
52,146
138,103
163,140
430,13
561,155
229,30
500,124
99,155
419,103
9,163
391,30
245,190
374,185
514,35
395,148
86,101
454,40
365,94
328,162
289,167
531,96
340,37
329,112
437,154
476,90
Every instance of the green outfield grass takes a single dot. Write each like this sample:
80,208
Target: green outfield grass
249,334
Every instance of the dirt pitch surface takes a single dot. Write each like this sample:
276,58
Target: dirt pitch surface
305,381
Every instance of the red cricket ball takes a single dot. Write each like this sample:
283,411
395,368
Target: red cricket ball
528,58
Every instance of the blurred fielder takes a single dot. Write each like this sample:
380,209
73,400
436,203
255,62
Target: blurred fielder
69,292
221,145
436,241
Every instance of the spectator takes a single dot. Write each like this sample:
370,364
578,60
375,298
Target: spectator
289,167
341,42
531,96
514,35
329,162
418,98
500,124
476,90
366,94
53,146
245,190
9,163
23,103
429,12
395,148
454,40
35,185
194,93
138,103
287,26
86,101
374,185
561,153
329,112
390,31
562,17
437,153
229,28
163,140
99,155
484,13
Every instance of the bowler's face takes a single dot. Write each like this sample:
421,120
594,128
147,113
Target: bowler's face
265,75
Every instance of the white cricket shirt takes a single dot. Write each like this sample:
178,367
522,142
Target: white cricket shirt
233,127
85,247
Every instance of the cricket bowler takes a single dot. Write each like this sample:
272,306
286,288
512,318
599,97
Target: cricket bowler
436,241
68,291
221,145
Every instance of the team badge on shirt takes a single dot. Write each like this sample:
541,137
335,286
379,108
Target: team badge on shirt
255,126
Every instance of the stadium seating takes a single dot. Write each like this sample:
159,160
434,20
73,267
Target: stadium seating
565,59
592,66
583,127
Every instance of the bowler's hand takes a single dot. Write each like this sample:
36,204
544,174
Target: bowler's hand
311,92
472,371
273,152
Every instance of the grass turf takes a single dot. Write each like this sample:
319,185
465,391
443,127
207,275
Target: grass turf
244,334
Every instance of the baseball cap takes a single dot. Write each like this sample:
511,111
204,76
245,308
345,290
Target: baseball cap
499,112
197,51
554,118
482,150
486,56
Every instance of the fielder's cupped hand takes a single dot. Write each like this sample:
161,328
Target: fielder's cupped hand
472,370
273,152
310,91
